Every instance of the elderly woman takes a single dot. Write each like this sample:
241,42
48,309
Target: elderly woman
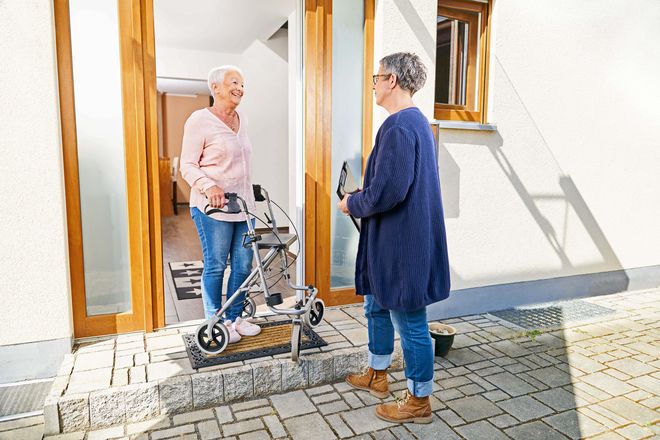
402,264
215,158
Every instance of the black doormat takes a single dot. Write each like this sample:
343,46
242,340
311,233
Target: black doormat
275,338
18,400
550,315
187,278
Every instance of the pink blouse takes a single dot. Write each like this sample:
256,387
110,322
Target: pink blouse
212,154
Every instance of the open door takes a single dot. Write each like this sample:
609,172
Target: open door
338,119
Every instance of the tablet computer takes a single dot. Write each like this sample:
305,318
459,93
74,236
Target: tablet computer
347,185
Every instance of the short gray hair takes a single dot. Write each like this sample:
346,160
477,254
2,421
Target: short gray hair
409,70
217,74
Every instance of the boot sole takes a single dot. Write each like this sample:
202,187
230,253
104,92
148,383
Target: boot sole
419,420
378,394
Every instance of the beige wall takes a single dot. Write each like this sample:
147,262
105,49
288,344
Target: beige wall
175,111
568,184
34,266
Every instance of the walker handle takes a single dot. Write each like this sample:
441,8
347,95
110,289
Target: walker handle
232,206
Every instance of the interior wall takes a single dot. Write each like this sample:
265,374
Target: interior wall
567,184
175,111
265,103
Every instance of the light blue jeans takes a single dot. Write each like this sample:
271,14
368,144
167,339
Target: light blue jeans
416,343
220,239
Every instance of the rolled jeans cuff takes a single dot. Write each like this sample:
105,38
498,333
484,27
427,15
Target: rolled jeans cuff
380,361
420,389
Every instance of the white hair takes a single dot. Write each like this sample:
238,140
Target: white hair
217,74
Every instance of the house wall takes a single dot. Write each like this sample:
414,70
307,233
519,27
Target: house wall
35,289
566,188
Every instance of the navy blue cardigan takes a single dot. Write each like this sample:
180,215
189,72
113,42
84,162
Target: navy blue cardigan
402,254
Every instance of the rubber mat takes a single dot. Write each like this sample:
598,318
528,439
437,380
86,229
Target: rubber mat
23,398
275,338
552,314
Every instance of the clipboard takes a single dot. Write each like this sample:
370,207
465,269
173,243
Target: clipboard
347,185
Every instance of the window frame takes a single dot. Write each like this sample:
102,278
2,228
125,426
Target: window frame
478,60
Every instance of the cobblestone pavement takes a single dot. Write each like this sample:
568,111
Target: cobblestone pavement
596,379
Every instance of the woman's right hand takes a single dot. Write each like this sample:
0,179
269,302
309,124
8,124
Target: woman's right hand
216,197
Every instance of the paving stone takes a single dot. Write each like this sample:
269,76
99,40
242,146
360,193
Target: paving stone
510,384
474,408
575,425
333,407
292,404
207,389
267,376
324,398
166,341
635,432
107,433
194,416
299,428
148,425
252,413
364,420
356,336
557,398
175,394
604,412
92,380
437,429
241,427
223,414
631,410
125,361
583,363
120,377
450,417
256,435
162,370
238,383
463,356
107,407
533,430
481,431
274,426
607,383
339,426
141,401
177,431
383,435
551,376
503,421
93,360
256,403
647,383
524,408
353,400
495,396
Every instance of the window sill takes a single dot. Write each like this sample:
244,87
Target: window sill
459,125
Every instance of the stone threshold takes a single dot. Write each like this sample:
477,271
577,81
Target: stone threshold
139,377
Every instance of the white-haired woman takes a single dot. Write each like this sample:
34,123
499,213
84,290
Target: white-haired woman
215,158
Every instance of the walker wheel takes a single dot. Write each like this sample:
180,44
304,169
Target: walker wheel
296,340
249,308
315,314
214,344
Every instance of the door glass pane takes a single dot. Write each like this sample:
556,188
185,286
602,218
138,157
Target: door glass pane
451,61
347,89
101,166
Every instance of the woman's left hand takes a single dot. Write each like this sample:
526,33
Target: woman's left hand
342,205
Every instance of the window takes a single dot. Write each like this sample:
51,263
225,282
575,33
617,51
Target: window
461,60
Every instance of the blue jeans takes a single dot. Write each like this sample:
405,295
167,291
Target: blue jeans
219,239
416,343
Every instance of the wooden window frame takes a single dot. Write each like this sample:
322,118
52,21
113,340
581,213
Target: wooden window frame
478,60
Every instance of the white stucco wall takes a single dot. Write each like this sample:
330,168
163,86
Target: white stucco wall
568,184
34,292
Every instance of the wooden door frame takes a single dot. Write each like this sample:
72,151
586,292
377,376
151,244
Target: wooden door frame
143,218
318,140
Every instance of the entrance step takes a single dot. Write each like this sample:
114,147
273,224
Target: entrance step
137,377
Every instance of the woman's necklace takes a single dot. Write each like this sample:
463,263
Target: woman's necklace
231,121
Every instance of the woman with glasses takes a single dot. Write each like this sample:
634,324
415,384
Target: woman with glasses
402,264
215,158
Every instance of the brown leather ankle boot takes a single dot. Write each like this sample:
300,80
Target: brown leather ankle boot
374,381
407,409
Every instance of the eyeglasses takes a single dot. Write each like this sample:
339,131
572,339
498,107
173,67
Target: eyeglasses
375,77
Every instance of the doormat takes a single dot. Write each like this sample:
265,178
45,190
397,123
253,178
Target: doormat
22,400
187,278
275,338
551,315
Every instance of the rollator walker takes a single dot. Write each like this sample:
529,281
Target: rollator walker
212,336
